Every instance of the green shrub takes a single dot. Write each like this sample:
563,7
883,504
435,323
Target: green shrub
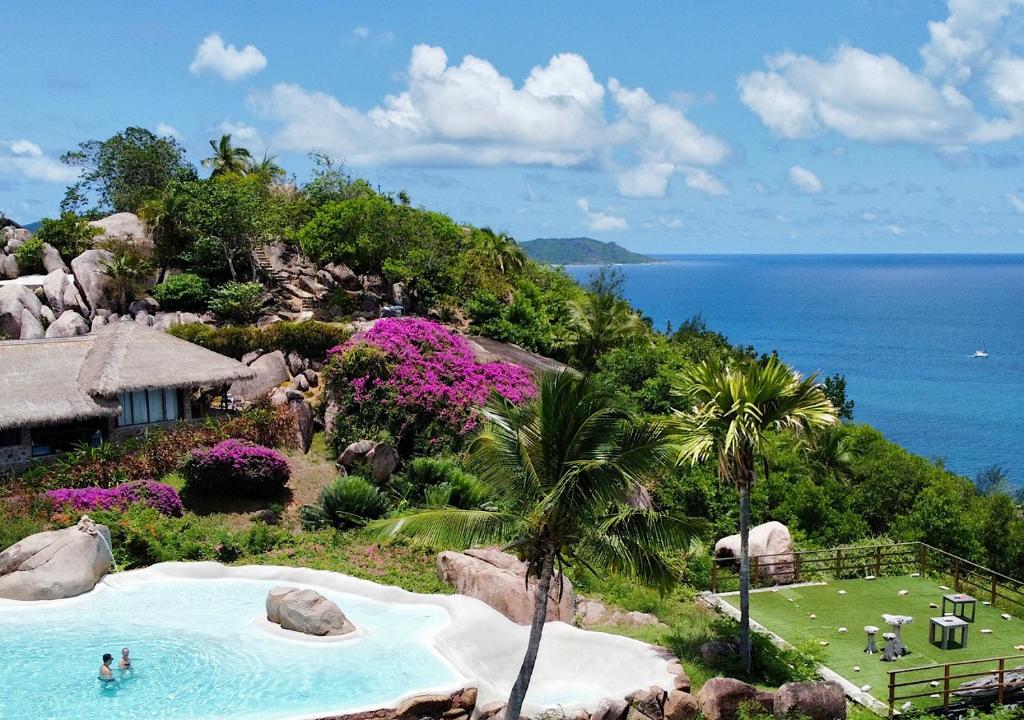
183,292
70,234
237,301
463,491
347,502
30,256
310,339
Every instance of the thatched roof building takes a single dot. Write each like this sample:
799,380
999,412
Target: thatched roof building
64,380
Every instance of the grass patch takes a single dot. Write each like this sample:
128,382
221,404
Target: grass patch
787,612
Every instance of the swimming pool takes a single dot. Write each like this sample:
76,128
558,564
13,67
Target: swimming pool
202,649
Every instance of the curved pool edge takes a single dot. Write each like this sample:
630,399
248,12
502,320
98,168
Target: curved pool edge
480,644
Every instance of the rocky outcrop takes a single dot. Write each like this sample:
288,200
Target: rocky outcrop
61,293
306,611
31,326
52,259
14,300
88,269
355,453
771,543
302,412
269,371
69,324
125,226
57,563
381,458
717,652
721,698
812,700
498,579
590,613
456,706
680,705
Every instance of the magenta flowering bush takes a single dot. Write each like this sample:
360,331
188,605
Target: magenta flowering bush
159,496
413,380
236,467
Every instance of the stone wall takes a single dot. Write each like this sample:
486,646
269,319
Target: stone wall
15,457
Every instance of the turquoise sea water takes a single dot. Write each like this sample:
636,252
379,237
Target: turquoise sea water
902,329
198,654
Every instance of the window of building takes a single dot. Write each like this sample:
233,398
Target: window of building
142,407
9,438
50,439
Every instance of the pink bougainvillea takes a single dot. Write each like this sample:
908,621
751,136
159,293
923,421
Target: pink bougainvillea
157,495
432,370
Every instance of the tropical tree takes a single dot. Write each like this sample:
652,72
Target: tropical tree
602,319
165,217
560,470
730,410
227,158
267,169
499,251
830,451
127,270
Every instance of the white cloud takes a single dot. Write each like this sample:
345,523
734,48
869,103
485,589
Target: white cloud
896,229
877,98
701,179
165,130
1016,202
869,217
363,33
599,221
24,157
471,114
804,180
645,180
226,60
244,135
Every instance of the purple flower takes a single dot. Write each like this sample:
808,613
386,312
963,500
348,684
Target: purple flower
237,466
159,496
432,371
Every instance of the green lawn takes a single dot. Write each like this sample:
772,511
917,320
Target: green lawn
787,612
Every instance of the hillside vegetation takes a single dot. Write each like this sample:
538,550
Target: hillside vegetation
580,251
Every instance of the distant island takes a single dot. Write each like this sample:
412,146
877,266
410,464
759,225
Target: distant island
580,251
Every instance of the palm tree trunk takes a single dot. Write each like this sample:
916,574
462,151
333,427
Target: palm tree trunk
540,612
745,655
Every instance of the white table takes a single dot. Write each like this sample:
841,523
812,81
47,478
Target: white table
948,625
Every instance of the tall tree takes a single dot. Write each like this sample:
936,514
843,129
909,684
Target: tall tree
562,469
729,410
267,169
227,158
123,172
499,251
603,319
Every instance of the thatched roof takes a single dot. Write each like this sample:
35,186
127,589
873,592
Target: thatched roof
128,356
59,380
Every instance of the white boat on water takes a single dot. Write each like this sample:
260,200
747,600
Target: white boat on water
982,353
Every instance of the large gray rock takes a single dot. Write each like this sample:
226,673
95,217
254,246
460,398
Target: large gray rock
61,292
590,613
52,259
56,564
125,226
69,324
88,269
680,705
302,411
31,327
356,452
498,579
306,611
269,371
383,461
771,543
12,237
721,698
14,300
812,700
9,267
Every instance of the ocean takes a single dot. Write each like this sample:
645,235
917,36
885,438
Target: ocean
901,328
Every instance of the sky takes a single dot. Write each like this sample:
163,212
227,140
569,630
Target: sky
696,127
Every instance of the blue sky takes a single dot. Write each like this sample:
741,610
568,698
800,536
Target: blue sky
893,126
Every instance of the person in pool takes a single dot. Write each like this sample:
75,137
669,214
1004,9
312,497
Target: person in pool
125,663
105,674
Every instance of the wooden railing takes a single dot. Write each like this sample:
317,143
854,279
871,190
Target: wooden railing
857,561
935,688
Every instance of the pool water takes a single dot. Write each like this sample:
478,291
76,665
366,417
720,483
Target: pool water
202,649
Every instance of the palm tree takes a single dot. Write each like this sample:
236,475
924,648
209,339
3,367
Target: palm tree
500,251
267,169
830,452
602,321
127,271
165,216
731,409
560,470
227,158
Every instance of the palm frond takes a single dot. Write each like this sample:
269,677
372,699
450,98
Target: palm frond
450,527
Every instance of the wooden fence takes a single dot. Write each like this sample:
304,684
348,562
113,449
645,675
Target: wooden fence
940,688
863,560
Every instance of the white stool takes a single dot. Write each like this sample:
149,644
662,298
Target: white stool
872,631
